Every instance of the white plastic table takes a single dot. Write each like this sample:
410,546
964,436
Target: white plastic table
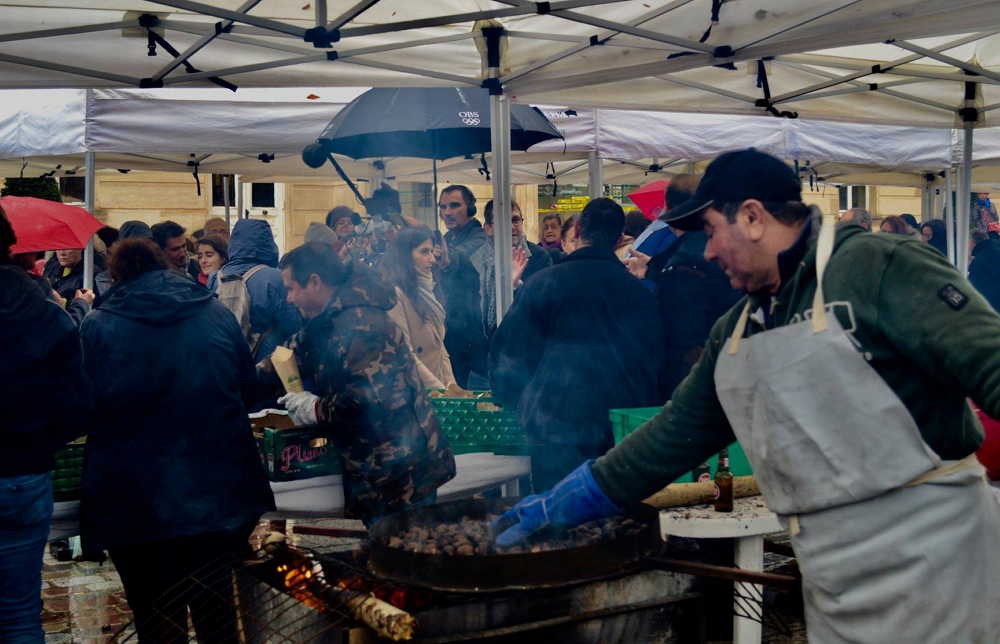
323,496
749,521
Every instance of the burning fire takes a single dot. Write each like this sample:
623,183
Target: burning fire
297,580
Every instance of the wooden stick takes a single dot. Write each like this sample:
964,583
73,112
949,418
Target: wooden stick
679,494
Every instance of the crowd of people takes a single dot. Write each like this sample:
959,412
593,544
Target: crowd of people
160,363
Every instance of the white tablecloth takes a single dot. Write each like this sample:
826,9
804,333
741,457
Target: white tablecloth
323,496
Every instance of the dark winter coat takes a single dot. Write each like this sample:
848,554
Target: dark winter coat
372,401
691,294
579,340
45,397
170,452
984,271
252,244
464,338
66,286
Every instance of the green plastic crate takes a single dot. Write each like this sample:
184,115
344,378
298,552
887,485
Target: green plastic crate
479,425
68,471
626,421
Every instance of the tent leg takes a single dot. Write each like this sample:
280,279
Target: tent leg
500,126
500,145
89,184
239,200
225,196
434,169
595,173
964,201
949,213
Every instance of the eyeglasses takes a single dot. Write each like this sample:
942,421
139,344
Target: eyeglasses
450,204
516,220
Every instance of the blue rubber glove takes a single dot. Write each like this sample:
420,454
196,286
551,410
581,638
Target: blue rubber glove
574,500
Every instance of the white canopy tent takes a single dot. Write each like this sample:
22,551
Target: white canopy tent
911,62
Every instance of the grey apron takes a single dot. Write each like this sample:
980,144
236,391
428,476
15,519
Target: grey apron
893,545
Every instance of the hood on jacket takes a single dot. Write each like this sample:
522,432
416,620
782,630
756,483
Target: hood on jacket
24,311
362,288
157,298
251,243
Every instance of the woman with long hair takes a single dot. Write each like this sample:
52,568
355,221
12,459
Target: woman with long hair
213,252
895,225
408,265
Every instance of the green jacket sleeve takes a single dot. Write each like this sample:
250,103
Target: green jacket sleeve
937,319
689,429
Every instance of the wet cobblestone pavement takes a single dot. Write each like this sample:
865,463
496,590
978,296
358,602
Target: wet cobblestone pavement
83,602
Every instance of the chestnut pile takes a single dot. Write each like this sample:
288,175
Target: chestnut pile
471,536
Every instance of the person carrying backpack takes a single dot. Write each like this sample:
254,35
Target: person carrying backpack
250,286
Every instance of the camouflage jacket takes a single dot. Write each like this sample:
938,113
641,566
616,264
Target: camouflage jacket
379,416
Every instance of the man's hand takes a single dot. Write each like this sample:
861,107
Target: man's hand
301,406
637,264
519,259
574,500
86,295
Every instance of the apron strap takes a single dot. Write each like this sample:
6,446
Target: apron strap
738,330
824,248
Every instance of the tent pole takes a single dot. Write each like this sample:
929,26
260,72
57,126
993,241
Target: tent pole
595,172
239,199
88,198
965,200
434,169
225,196
949,213
500,142
925,201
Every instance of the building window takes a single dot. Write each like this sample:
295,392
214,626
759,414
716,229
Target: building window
852,197
75,187
262,195
218,199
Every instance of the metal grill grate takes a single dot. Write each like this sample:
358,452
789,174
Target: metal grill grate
286,594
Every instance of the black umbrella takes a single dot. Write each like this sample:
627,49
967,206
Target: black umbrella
424,122
428,123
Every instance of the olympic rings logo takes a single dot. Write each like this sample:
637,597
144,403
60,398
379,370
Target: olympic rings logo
469,118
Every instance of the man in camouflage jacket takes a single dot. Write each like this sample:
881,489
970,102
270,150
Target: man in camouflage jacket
365,383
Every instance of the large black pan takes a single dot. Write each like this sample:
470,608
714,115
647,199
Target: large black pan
499,572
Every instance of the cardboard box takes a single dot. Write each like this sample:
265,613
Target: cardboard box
291,453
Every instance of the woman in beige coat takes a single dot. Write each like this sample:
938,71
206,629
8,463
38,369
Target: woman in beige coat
408,265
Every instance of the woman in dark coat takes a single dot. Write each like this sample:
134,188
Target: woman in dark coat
168,491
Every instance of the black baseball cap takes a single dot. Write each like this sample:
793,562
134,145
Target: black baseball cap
734,177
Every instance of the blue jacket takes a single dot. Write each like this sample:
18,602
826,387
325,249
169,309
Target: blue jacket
45,396
252,244
170,452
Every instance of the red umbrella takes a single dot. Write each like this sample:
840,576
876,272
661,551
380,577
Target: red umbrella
651,198
41,224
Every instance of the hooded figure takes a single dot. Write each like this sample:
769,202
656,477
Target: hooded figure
252,244
171,465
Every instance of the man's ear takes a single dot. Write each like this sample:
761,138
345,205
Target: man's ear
314,281
756,218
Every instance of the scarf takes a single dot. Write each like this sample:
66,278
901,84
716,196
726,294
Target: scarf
557,244
425,290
